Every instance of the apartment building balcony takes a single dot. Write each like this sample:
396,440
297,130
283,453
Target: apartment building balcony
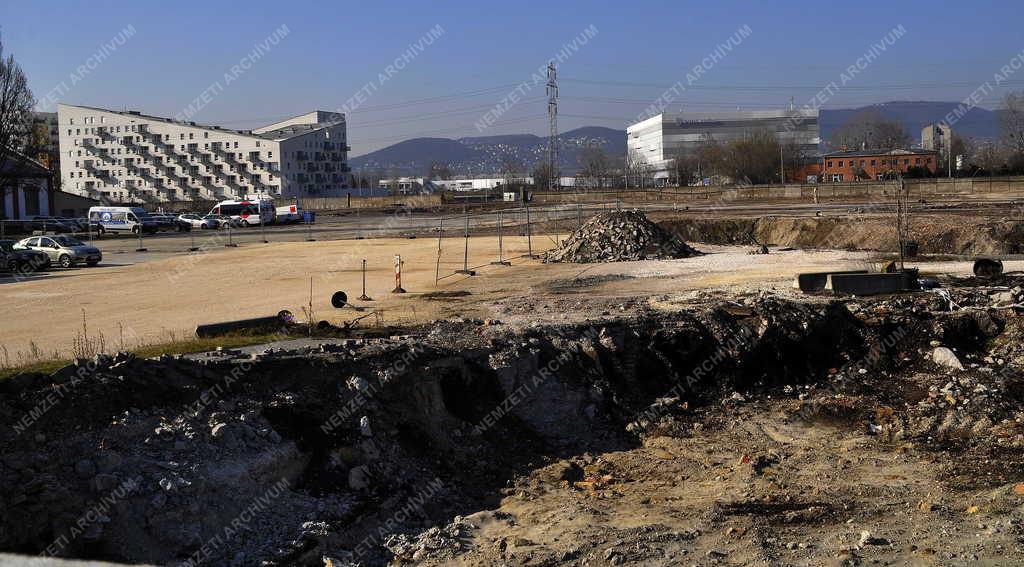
95,171
105,134
224,154
145,175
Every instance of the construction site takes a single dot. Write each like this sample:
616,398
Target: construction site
687,381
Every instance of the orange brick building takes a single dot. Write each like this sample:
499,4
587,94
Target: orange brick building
863,165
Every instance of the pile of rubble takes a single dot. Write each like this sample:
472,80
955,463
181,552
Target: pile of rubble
620,236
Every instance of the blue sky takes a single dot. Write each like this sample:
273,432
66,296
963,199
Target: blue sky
332,50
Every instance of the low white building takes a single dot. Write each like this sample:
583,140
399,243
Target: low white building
132,157
478,183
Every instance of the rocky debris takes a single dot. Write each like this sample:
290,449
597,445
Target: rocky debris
438,543
620,236
946,358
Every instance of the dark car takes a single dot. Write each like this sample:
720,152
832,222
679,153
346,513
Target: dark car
165,223
51,224
21,261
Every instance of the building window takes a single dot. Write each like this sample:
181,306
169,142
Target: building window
71,121
906,162
873,163
182,135
862,163
206,134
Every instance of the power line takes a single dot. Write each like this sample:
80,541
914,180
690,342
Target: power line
758,88
445,130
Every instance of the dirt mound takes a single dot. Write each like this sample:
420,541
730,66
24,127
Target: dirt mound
620,236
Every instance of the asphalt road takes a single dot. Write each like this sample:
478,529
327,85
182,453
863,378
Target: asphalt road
368,224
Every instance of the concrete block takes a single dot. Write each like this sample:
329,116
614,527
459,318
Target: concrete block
815,281
871,284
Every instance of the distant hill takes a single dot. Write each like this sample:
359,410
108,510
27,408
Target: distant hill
485,154
913,116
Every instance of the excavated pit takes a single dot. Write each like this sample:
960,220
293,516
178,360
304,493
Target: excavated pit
383,437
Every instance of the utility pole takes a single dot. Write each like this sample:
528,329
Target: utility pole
552,91
949,152
782,165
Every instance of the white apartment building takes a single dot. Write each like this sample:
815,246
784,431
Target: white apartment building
132,157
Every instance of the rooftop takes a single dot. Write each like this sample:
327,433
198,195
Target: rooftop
869,153
278,134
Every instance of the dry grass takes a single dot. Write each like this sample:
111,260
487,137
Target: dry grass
182,345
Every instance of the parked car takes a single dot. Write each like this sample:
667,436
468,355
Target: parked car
22,261
51,224
62,249
222,221
196,221
164,223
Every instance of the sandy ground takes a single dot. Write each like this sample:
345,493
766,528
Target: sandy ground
698,501
164,299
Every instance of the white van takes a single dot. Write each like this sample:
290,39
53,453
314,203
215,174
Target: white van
246,212
289,214
121,219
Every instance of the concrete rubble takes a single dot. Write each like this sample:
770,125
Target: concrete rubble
620,236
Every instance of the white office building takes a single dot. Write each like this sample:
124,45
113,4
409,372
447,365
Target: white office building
129,157
659,139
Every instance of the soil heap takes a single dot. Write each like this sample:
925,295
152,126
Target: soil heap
620,236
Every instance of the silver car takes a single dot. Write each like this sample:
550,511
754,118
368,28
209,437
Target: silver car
196,221
63,250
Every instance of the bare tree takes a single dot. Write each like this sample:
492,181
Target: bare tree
541,175
753,159
1011,121
985,157
596,166
16,102
511,171
637,170
684,169
869,129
